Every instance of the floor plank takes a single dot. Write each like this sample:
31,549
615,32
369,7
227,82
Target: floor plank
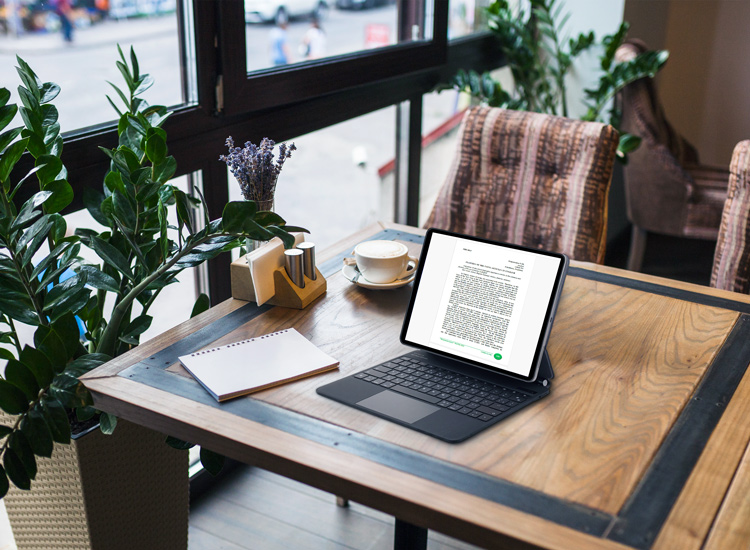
252,508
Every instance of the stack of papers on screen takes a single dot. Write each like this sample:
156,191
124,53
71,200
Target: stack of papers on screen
256,364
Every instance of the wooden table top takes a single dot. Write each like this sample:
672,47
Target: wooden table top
642,442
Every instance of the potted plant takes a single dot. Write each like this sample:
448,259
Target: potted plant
83,314
540,59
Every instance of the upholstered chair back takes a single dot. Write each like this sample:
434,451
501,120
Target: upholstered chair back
732,258
532,179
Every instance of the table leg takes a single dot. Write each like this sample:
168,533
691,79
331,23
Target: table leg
409,537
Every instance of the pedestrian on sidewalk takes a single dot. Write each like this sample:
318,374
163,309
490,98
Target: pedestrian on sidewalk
64,10
314,41
279,45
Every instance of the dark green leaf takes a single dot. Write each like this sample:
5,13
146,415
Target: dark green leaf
84,414
22,377
107,423
20,445
16,470
57,420
6,353
12,400
51,345
98,279
62,292
10,157
4,484
49,91
39,365
18,307
35,428
52,168
86,363
628,143
178,443
67,329
92,200
235,213
156,148
62,195
183,209
5,430
164,171
7,113
138,326
287,239
112,256
212,462
70,391
124,211
201,304
7,137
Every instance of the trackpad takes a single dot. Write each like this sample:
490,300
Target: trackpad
398,406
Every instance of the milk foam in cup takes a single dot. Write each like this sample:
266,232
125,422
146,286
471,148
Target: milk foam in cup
383,262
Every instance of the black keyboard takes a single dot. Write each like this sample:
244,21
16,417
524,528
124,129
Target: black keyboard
444,388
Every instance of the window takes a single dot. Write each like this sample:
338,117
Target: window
83,65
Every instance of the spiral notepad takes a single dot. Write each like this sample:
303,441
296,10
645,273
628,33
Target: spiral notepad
256,364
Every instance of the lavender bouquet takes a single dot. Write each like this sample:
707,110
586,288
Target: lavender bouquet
254,168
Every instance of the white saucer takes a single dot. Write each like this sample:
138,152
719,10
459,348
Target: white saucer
350,271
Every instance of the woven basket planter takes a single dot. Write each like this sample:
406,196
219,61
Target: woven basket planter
124,491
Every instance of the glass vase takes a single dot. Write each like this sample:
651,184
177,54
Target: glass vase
253,244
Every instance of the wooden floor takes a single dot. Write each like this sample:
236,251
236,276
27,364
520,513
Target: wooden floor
252,508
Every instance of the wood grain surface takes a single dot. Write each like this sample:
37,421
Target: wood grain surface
626,363
704,493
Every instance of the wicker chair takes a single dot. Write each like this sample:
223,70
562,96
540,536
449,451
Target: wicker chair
732,258
667,191
531,179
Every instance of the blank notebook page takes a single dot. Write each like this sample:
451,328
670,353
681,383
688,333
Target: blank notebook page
256,364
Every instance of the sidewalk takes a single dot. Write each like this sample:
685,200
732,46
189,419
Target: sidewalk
97,35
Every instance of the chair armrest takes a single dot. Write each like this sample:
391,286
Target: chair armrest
709,176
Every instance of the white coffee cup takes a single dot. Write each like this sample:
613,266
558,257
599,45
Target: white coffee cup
383,262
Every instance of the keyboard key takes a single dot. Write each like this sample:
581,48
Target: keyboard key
489,411
474,414
485,417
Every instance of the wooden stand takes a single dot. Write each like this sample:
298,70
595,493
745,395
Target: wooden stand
287,294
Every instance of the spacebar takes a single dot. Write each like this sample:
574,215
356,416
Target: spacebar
414,393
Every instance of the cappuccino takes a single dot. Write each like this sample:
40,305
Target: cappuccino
381,249
383,262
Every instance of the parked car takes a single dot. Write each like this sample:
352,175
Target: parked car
281,11
360,4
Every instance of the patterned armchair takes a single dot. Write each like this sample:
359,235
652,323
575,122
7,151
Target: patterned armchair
732,258
667,191
532,179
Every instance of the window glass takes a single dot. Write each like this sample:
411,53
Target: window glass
466,17
332,184
82,60
441,117
282,32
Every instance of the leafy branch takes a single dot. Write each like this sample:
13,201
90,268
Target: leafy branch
539,58
53,290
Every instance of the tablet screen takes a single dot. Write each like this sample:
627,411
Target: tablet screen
485,303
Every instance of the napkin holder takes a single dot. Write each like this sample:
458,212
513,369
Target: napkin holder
285,292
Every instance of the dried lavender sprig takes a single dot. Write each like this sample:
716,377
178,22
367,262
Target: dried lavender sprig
253,167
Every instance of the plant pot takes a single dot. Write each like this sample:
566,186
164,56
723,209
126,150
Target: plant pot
124,491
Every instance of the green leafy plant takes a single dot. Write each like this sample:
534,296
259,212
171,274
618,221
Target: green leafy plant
45,283
540,58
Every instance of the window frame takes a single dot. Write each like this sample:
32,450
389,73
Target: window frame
196,133
244,92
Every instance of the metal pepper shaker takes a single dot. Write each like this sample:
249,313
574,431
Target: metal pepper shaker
308,259
294,267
